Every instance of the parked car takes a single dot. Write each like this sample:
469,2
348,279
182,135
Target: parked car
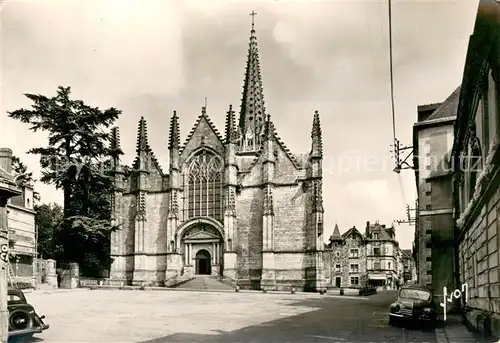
24,322
415,304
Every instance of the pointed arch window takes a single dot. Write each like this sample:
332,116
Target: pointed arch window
203,185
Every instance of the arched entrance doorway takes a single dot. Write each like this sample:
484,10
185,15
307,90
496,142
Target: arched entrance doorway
203,264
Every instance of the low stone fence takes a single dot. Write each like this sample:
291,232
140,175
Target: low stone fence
352,291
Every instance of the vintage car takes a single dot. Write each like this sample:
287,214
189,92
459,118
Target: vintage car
23,320
416,304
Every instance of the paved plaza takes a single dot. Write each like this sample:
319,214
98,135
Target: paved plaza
190,316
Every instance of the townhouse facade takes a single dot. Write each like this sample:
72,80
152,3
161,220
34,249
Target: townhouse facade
356,260
409,267
21,227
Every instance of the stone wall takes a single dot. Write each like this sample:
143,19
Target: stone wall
479,266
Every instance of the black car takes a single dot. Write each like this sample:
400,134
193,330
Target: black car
414,304
23,320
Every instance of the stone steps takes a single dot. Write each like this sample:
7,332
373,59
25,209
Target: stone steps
205,282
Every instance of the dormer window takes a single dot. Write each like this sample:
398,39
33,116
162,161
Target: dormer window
375,235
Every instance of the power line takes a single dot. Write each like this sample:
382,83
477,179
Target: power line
391,73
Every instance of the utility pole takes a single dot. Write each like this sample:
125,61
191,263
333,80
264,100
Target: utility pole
401,156
410,218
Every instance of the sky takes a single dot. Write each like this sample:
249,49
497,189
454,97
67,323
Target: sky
149,58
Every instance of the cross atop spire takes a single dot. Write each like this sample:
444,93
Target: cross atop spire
253,14
252,112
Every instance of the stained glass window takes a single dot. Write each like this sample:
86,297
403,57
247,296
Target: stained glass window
203,185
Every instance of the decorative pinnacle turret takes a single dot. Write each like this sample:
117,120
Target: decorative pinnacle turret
142,136
230,126
115,142
268,128
174,135
316,135
252,111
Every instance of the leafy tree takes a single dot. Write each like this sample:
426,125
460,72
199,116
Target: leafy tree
48,220
74,161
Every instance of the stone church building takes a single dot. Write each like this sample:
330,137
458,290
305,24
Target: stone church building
240,206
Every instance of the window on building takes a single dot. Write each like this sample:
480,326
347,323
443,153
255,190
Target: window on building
204,186
376,265
428,231
354,281
428,207
354,253
428,259
428,245
337,253
485,134
337,268
493,105
376,251
375,235
389,265
429,272
354,268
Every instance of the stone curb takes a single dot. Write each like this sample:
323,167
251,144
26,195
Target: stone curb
51,291
166,289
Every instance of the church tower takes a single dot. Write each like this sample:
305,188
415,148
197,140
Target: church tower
239,206
252,110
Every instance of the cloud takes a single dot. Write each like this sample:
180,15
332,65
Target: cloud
149,58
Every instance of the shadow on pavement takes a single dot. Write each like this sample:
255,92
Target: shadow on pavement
332,320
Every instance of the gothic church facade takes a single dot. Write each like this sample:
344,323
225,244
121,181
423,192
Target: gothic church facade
239,206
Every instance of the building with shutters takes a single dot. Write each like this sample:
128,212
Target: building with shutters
240,205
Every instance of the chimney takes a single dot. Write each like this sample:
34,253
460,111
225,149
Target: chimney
367,230
6,159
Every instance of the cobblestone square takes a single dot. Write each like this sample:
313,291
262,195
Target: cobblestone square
137,316
173,316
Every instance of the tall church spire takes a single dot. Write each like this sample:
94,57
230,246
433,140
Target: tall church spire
252,112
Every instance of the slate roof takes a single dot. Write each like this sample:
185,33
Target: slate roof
336,234
351,231
448,108
406,253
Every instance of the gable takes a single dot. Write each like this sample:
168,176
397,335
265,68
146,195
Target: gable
201,235
203,133
352,233
286,169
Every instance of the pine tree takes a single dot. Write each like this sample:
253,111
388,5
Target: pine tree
75,161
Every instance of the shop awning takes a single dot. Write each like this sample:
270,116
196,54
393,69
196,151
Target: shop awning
376,276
